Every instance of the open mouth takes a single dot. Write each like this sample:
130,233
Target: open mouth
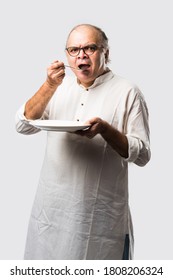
83,66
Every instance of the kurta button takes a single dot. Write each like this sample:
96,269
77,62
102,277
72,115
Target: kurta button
82,104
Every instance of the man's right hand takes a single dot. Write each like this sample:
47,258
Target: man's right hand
55,73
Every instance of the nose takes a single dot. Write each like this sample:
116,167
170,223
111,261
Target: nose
82,54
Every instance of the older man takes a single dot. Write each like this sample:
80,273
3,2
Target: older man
81,206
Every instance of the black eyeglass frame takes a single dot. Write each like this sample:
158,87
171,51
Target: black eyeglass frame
84,49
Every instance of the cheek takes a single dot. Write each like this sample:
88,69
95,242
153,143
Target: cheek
100,60
68,59
99,64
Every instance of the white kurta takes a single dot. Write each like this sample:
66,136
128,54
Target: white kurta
81,206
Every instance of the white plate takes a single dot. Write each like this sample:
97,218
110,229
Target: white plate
57,125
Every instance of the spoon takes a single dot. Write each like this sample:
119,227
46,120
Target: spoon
72,67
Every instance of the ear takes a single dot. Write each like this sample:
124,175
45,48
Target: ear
107,56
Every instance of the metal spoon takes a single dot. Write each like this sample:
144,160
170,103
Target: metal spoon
72,67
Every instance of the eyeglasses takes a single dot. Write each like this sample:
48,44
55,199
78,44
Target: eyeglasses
89,50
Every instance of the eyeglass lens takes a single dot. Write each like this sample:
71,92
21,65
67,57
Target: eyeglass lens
74,51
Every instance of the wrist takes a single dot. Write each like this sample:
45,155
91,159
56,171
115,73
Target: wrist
104,128
51,85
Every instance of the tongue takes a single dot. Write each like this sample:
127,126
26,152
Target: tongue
84,66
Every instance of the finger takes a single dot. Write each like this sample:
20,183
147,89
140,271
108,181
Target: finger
85,133
59,77
56,72
57,64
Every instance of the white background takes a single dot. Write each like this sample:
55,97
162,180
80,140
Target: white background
33,34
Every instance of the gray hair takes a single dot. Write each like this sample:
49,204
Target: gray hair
101,33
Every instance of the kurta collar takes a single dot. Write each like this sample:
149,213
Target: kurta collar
100,80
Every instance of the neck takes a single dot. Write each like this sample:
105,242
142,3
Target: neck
87,85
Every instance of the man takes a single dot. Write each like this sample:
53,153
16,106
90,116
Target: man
81,207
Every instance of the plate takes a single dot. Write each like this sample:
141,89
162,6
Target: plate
58,125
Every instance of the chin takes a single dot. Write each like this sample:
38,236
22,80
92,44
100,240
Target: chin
86,82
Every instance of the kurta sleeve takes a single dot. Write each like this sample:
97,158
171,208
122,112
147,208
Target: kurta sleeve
138,134
22,124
